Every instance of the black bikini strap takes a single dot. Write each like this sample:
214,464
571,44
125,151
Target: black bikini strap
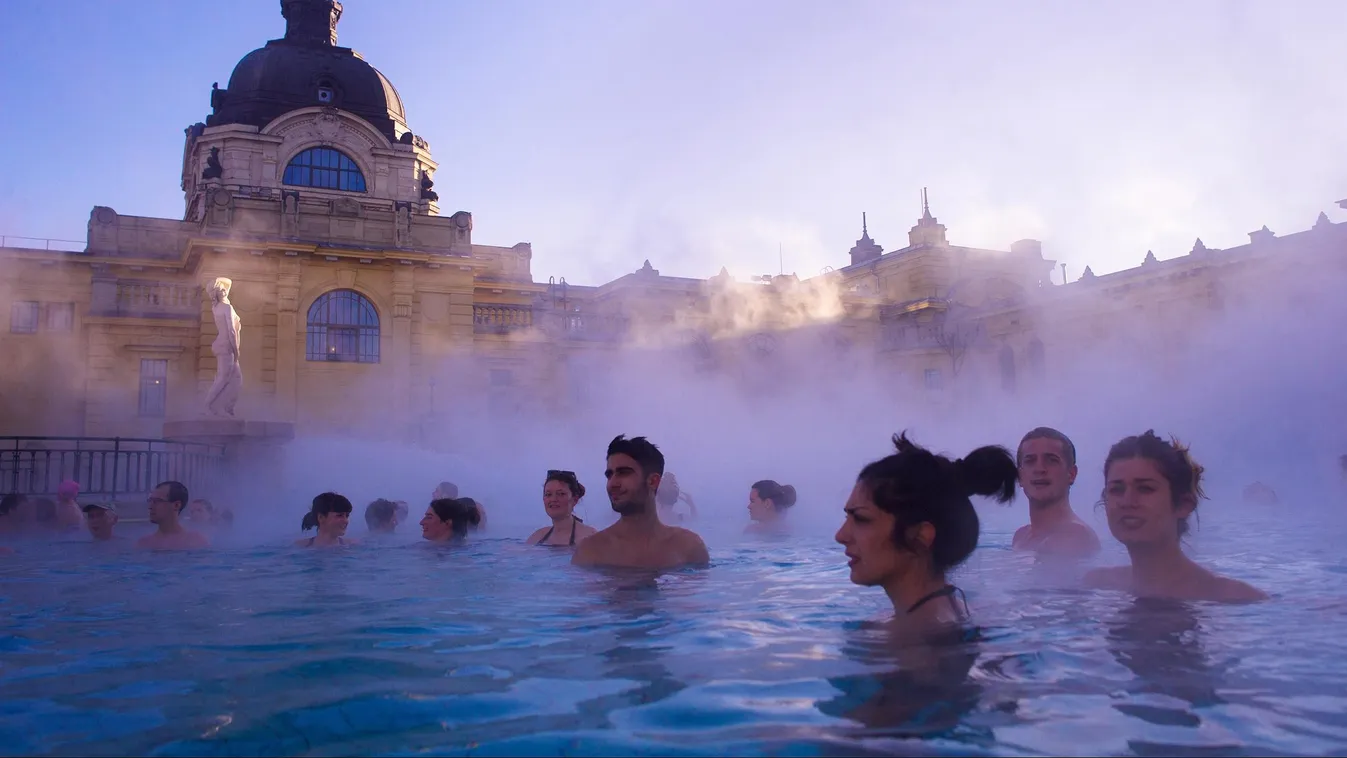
547,536
947,591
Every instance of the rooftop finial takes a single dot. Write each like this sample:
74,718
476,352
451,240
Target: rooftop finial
311,22
865,228
925,204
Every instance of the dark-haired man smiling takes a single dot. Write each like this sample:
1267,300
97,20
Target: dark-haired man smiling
638,539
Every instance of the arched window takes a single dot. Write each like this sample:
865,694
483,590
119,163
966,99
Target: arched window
1037,365
324,168
1007,368
343,326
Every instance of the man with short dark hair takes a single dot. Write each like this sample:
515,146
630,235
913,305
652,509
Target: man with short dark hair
165,504
638,539
1047,463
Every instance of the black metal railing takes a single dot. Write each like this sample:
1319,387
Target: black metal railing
105,467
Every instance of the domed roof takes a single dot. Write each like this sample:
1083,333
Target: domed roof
305,69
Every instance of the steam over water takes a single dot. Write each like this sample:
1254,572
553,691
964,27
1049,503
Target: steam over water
255,647
495,648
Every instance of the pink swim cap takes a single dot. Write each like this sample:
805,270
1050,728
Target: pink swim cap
69,489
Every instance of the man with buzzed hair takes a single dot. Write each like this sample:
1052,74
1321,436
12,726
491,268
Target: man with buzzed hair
638,539
166,503
1047,463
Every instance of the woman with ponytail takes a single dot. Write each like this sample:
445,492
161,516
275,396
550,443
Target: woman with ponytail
329,514
448,519
909,522
1151,489
767,504
561,492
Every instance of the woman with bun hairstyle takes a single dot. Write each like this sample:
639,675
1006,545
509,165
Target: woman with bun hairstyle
1151,489
909,521
767,504
448,519
561,492
329,514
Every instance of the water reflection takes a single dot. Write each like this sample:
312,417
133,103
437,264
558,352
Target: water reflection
635,600
920,686
1160,640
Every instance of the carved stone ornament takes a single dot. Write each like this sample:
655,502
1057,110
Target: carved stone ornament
327,126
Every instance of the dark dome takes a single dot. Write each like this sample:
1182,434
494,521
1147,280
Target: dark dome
306,69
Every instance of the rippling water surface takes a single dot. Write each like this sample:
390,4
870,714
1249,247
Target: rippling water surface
494,648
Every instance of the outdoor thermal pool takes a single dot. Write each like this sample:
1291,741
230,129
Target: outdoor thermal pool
495,648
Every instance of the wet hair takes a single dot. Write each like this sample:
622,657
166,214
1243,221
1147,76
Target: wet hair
460,513
918,486
781,495
1048,433
210,507
328,502
448,490
379,513
1172,458
44,509
567,478
641,450
177,493
11,502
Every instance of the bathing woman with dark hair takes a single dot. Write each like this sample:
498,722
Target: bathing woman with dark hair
909,522
448,519
1151,489
767,504
329,514
561,492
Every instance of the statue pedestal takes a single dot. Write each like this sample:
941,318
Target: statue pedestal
254,456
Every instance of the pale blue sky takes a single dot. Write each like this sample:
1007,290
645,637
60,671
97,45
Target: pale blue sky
701,134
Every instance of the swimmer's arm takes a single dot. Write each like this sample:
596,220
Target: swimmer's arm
692,507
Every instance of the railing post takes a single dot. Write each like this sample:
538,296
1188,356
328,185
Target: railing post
116,464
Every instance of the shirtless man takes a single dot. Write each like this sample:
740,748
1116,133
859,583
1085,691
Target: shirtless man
166,504
101,518
638,539
1047,461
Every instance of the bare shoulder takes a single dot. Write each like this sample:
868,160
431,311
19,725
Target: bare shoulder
1021,535
691,545
536,537
589,551
199,539
1234,591
302,542
584,531
1073,537
1108,578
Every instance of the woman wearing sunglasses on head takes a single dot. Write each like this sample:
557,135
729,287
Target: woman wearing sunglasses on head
561,491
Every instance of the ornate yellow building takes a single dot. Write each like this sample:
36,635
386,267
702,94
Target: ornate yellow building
307,188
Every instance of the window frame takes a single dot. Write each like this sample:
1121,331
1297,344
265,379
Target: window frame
352,319
153,388
344,170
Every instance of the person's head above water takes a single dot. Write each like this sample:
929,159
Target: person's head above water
100,519
561,491
448,519
1151,489
166,503
445,490
768,500
909,517
381,515
634,470
329,514
1047,466
68,490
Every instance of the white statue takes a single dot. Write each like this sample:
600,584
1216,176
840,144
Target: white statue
224,393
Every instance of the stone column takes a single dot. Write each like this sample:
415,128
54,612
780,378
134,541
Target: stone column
404,276
253,469
287,338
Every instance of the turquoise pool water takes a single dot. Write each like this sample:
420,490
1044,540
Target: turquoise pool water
494,648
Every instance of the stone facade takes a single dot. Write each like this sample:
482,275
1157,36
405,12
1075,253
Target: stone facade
429,324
